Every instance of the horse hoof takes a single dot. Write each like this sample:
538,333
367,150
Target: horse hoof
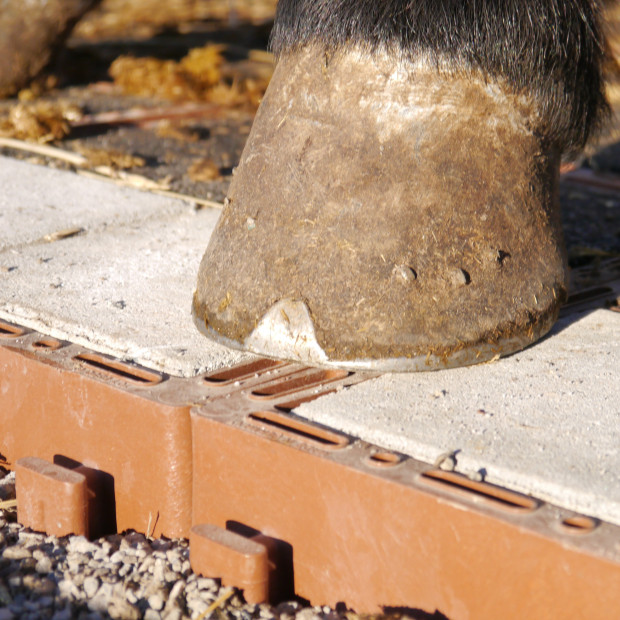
386,217
31,35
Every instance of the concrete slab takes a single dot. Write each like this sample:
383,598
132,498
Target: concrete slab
122,286
545,421
37,201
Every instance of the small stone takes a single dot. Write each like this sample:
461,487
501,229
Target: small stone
446,462
44,586
151,614
171,576
159,570
161,545
68,589
76,561
204,583
78,579
31,539
80,544
125,570
197,606
131,597
6,614
102,600
90,586
16,553
14,581
133,538
146,564
120,608
459,277
100,555
309,613
174,597
44,565
156,602
62,614
116,557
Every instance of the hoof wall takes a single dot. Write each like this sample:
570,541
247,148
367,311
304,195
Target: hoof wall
385,217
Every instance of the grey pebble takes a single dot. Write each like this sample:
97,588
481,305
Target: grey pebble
80,544
14,581
171,576
90,585
44,565
156,602
69,589
120,608
117,557
197,606
30,538
16,553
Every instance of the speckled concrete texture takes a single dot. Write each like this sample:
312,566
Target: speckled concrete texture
545,421
120,283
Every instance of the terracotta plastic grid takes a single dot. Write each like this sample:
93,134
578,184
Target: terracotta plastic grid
340,520
375,529
126,427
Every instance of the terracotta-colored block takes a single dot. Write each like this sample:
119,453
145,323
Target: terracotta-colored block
237,560
376,531
128,426
51,498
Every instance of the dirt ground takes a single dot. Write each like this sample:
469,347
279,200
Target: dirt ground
163,95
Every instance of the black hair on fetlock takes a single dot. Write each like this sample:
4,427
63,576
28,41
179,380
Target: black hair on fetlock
551,49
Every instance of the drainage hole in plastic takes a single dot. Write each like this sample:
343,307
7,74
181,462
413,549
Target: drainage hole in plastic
47,344
502,498
299,430
296,383
119,369
10,331
236,373
579,525
383,459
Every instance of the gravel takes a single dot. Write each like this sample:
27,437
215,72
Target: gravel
128,576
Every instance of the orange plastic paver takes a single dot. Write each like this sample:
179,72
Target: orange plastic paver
237,560
51,498
373,529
